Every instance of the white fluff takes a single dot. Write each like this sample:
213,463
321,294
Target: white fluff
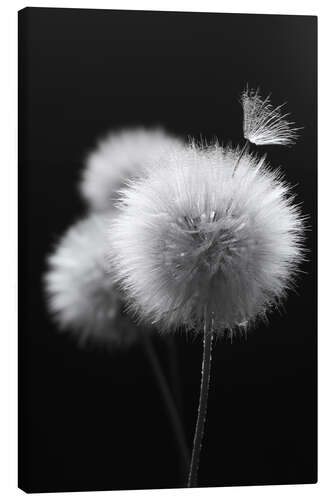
80,289
193,242
263,124
119,157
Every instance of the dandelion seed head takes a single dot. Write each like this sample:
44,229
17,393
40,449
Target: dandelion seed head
263,124
81,292
119,157
192,241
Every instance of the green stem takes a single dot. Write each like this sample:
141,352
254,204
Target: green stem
169,404
202,410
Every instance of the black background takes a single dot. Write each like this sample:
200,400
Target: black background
91,419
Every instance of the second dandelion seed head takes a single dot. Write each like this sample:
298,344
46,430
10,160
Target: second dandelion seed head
195,243
82,295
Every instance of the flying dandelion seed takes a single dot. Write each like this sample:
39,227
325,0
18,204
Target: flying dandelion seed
119,157
81,292
263,124
196,245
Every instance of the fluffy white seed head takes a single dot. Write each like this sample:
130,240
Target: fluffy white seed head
119,157
81,292
263,124
194,243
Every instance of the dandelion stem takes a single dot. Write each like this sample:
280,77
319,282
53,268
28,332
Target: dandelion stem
170,406
202,410
243,151
173,362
